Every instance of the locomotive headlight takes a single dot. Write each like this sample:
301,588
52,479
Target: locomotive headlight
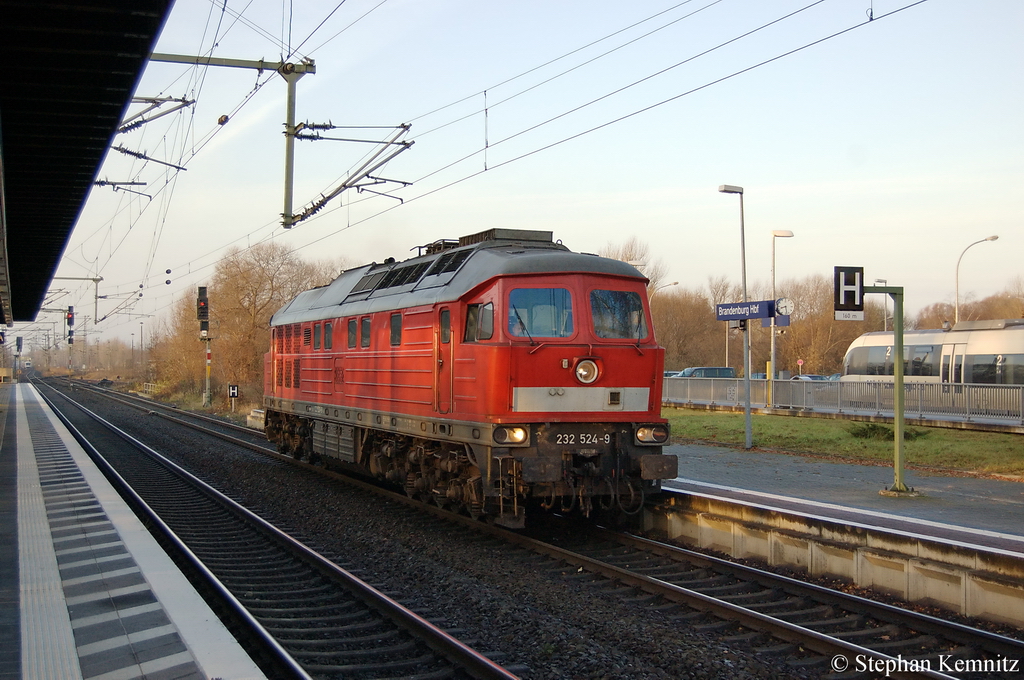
652,434
586,371
510,435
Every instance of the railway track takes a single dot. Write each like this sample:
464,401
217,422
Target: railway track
807,627
805,624
308,614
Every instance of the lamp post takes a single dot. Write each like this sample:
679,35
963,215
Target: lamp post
956,309
885,305
651,293
749,440
776,233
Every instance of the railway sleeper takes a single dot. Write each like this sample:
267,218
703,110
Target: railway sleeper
363,640
922,643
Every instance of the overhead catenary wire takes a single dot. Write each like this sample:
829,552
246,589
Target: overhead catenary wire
488,144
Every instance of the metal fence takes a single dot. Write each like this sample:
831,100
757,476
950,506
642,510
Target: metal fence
993,403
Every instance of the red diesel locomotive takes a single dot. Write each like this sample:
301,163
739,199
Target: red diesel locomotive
482,374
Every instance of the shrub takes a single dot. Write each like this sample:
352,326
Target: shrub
884,432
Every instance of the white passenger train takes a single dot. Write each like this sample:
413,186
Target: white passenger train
974,352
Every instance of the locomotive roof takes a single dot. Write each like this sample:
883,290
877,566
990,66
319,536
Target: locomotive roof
444,274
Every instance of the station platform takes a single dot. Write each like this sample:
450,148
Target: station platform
962,509
85,590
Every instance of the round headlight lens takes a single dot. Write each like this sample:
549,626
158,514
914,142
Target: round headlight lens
652,434
510,435
586,371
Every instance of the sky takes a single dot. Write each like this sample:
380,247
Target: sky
883,134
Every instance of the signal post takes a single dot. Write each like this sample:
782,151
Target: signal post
849,290
203,315
70,318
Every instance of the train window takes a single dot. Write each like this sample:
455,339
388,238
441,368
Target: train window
396,330
316,336
328,335
446,326
364,332
618,314
879,360
352,332
479,322
995,369
540,313
922,361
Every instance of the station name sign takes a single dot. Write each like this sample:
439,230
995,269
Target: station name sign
733,311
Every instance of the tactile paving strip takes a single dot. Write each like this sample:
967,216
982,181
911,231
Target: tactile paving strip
120,629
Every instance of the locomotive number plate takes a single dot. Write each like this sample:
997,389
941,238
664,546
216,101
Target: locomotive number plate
580,439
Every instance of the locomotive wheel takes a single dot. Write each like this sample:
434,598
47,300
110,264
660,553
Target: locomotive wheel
410,485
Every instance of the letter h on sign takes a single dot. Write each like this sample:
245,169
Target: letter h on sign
849,289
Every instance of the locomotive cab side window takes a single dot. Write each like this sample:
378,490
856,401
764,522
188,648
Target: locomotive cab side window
618,314
396,330
540,313
352,332
316,336
446,326
479,322
328,335
364,332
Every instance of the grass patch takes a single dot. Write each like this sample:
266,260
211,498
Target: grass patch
883,432
983,452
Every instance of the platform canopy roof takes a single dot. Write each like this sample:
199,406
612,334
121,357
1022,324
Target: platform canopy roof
70,70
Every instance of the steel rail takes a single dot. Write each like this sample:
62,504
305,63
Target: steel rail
478,665
158,526
808,638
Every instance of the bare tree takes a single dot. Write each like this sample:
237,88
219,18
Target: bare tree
638,254
248,286
685,323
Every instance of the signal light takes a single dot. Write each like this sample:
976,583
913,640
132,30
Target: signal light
71,337
202,305
70,316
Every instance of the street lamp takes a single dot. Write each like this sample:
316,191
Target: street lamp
956,309
666,285
776,233
749,442
885,305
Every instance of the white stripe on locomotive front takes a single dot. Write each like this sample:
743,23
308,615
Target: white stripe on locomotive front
579,399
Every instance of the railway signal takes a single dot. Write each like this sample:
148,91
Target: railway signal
70,316
202,305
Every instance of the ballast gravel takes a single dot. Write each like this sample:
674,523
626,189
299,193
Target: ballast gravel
495,597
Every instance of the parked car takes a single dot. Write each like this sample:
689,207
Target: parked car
809,376
707,372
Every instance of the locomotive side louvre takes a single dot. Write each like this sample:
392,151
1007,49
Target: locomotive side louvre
477,376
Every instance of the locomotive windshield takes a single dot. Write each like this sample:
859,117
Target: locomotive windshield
618,314
540,313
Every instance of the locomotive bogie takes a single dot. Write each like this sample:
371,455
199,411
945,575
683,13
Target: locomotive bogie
479,469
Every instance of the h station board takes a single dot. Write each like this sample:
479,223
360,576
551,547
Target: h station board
848,293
